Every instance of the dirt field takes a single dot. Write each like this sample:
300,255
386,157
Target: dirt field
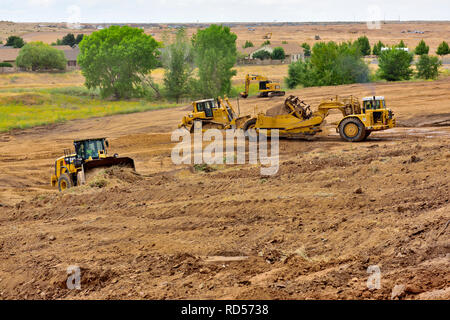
333,209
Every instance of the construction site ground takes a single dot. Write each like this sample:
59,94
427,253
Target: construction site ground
172,232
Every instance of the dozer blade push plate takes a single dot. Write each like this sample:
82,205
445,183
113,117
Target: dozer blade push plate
109,162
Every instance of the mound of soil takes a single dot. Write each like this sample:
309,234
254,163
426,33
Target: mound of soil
277,110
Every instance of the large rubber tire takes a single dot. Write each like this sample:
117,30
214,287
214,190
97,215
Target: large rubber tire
367,134
64,182
250,124
352,130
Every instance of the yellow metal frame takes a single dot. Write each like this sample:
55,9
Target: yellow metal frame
292,124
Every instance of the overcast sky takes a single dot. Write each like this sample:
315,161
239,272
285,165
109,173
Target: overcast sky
221,10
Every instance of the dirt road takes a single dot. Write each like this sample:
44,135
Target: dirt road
311,231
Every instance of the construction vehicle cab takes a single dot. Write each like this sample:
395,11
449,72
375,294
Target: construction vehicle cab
213,113
298,120
267,88
71,168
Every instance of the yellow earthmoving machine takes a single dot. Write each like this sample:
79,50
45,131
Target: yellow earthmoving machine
268,36
267,88
298,120
71,169
213,113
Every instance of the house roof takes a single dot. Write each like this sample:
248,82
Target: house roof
71,54
248,50
9,54
289,48
62,47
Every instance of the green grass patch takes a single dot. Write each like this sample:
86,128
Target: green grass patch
20,109
253,90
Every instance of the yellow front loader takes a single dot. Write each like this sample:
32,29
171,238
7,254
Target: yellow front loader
213,113
71,169
267,88
299,121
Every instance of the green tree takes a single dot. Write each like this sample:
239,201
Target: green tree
262,55
6,64
248,44
443,49
395,64
79,38
177,61
215,55
265,43
300,72
15,42
422,48
428,67
307,49
68,40
401,45
278,53
364,45
117,60
330,64
377,48
40,56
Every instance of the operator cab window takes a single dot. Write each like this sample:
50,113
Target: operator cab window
372,104
89,149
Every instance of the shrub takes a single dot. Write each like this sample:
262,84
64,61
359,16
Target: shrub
6,64
278,53
377,48
307,49
422,48
330,64
401,45
248,44
262,55
364,45
15,42
443,49
40,56
395,64
428,67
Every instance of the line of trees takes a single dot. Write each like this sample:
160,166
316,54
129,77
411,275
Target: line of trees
69,40
330,64
118,61
15,42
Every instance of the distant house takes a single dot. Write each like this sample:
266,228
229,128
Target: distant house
397,48
9,55
293,51
71,54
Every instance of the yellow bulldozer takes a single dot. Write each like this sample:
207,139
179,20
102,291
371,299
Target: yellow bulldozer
268,36
267,88
297,119
213,113
71,169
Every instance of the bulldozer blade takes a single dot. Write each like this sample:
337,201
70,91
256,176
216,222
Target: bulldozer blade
109,162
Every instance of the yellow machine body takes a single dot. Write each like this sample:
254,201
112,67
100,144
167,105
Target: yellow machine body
213,113
356,125
70,169
267,88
